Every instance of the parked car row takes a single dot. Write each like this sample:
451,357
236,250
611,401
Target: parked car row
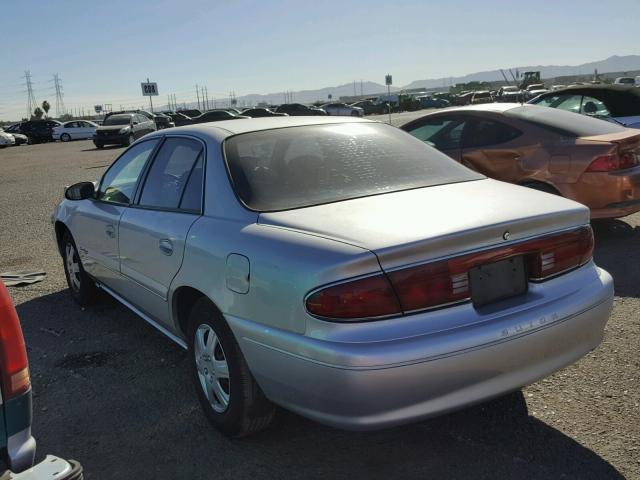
32,131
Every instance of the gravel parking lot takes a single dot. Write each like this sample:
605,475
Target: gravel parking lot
114,394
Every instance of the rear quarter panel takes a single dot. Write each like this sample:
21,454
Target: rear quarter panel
284,266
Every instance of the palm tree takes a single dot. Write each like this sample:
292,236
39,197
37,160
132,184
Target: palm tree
46,107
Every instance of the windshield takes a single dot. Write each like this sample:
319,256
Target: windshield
302,166
566,123
118,120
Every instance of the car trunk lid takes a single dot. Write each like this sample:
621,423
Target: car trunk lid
424,224
626,140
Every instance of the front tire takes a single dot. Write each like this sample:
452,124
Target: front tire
229,395
83,288
65,137
129,140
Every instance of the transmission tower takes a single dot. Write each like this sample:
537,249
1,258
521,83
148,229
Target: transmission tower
31,99
60,108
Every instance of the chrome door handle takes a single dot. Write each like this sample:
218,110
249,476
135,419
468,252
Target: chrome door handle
166,246
110,231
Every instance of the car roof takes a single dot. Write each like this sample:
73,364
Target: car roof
227,128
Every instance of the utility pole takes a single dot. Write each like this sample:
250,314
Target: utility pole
206,95
198,95
361,90
60,109
31,99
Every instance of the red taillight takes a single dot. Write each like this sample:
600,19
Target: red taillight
14,366
559,253
431,284
437,284
364,298
613,161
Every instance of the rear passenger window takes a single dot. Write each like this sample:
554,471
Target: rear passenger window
482,133
170,174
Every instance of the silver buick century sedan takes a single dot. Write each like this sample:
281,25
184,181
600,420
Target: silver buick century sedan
339,268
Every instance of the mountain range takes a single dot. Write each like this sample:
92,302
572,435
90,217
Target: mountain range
611,64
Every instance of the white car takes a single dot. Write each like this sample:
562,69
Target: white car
74,130
6,139
629,81
343,109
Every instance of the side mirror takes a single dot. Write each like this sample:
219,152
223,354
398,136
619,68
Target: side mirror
134,123
80,191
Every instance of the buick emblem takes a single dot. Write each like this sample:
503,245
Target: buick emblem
506,235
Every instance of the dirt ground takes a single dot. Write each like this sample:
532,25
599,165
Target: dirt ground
114,394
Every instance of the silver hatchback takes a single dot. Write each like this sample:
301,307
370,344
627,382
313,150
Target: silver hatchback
339,268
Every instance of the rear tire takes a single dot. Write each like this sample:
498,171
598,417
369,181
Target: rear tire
542,187
229,395
83,288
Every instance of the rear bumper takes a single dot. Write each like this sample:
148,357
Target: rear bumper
110,139
608,195
374,384
51,468
617,210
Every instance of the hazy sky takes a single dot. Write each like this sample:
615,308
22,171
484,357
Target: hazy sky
104,49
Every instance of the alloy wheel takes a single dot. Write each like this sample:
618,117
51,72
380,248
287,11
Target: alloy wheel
212,367
73,266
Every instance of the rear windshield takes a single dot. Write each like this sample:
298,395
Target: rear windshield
302,166
118,120
566,123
